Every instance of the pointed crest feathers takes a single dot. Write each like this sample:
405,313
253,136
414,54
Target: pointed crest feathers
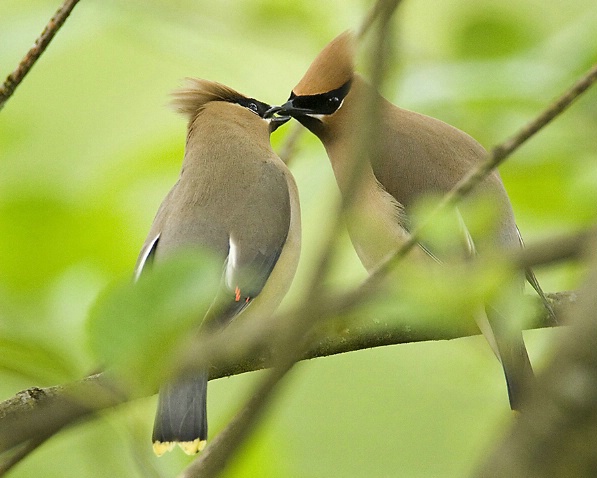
331,69
190,99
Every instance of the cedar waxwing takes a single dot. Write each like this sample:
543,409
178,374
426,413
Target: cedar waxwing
236,198
414,155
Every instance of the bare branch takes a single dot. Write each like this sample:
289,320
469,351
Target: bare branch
381,9
44,411
215,457
502,151
14,79
555,249
41,412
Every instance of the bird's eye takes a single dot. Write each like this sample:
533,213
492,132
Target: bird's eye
253,107
334,100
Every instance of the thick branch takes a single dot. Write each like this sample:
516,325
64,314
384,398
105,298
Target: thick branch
14,79
43,411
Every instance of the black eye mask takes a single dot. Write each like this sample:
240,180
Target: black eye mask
256,106
324,103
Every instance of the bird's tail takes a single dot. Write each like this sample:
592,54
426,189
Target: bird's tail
509,347
181,416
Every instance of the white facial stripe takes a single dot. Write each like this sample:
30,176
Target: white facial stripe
320,117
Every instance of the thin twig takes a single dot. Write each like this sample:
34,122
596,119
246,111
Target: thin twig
215,457
16,77
379,10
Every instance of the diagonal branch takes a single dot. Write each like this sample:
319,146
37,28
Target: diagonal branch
14,79
497,156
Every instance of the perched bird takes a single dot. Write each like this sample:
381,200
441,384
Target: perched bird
236,198
412,155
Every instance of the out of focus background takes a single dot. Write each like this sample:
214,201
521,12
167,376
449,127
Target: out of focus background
89,148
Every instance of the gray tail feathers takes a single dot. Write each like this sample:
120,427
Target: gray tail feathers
182,414
513,355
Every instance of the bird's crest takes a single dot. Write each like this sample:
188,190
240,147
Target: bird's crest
190,99
331,69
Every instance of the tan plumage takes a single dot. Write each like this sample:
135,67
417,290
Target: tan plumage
237,199
319,78
414,155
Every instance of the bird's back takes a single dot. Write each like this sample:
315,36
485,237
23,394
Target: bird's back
427,156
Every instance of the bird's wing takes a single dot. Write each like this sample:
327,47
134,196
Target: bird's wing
255,243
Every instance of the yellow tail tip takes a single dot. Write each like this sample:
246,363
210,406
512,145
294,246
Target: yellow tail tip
159,448
189,447
192,447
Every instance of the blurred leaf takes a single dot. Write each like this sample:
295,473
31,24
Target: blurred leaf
446,233
487,33
135,327
438,296
44,234
33,360
582,201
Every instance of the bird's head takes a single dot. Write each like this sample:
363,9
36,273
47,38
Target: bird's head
326,83
191,99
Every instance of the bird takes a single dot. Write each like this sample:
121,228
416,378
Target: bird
413,155
236,199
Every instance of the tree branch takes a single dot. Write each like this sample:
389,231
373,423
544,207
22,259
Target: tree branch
44,411
38,412
14,79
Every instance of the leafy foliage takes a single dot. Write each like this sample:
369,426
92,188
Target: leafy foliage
88,151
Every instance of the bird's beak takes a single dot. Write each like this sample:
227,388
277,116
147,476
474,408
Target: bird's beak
276,121
288,109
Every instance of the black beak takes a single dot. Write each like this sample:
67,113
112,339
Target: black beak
276,121
288,109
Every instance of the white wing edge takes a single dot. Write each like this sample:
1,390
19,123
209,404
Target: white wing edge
146,252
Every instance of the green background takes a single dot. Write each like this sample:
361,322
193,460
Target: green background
88,149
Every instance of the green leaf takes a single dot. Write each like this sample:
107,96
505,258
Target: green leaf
34,360
135,328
